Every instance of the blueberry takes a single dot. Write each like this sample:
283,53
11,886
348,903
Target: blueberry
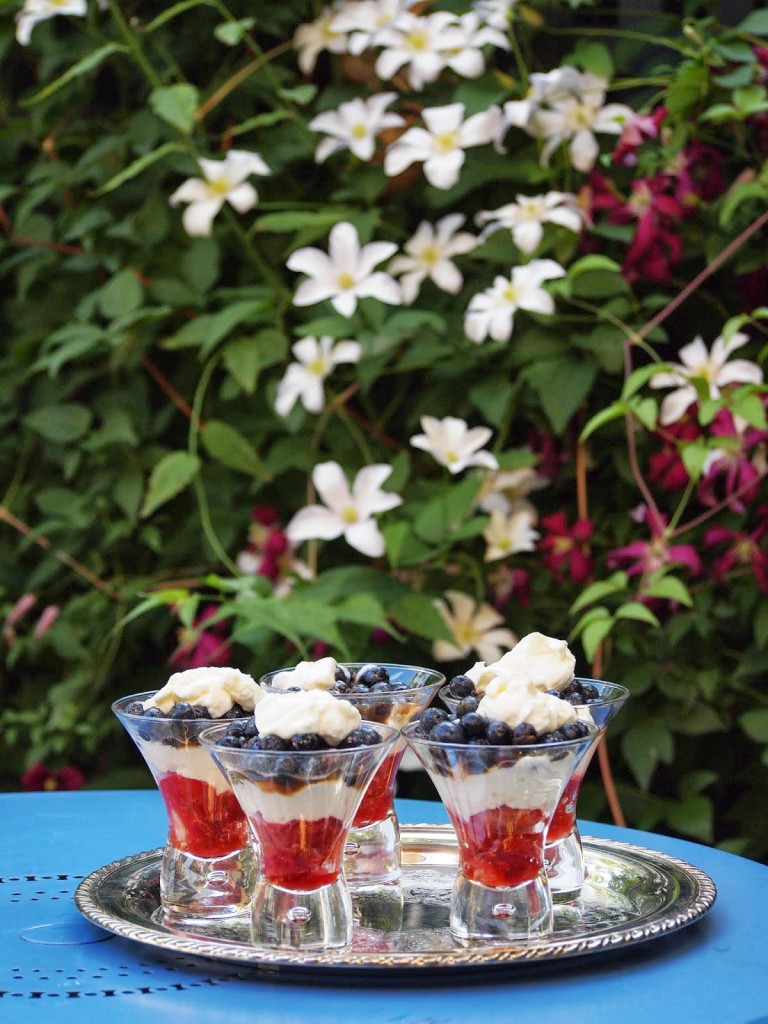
249,728
371,674
499,734
524,733
430,718
236,729
571,731
134,708
363,736
307,741
381,687
343,674
573,687
230,741
554,693
235,712
590,692
252,743
448,732
400,684
474,725
573,698
466,705
461,686
341,686
555,736
198,711
272,743
181,709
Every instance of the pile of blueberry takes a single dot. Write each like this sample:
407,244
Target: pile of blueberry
466,725
181,714
244,735
577,692
367,679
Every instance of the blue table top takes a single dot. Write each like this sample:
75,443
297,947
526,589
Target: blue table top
713,971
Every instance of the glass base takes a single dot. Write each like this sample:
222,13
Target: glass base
565,867
508,915
316,919
372,853
194,888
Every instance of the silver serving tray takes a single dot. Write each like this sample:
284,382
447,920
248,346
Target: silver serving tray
631,895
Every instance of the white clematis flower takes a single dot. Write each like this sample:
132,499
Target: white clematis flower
419,44
35,11
313,37
713,367
346,512
496,13
315,360
453,444
361,20
223,182
429,254
474,627
440,146
526,217
508,489
345,273
491,313
355,125
509,533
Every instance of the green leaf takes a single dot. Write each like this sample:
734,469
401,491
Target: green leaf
206,331
173,12
755,24
694,455
746,404
82,67
644,745
615,584
231,32
687,89
138,166
242,360
403,547
593,628
60,424
363,609
646,410
755,724
561,386
170,476
592,263
442,516
694,818
638,612
121,295
320,221
176,104
640,377
612,412
230,448
416,613
670,588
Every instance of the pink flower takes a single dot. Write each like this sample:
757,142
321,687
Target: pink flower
645,557
634,131
740,550
566,549
665,468
201,648
734,466
509,584
40,778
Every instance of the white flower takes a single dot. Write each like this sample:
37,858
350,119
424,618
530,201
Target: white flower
453,444
473,626
465,56
315,36
223,181
347,513
419,44
345,273
361,20
496,13
491,313
508,533
508,489
441,144
429,254
568,106
713,367
316,359
526,217
35,11
355,125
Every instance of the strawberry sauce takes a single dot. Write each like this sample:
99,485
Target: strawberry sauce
377,802
202,821
565,813
301,855
502,847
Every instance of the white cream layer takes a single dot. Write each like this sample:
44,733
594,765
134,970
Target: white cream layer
327,798
530,782
193,762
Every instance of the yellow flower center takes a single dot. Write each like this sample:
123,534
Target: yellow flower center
359,130
466,634
317,366
451,457
349,514
220,186
346,280
511,294
417,40
50,784
447,142
430,255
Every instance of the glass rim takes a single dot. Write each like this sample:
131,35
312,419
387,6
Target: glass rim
438,681
622,694
207,740
409,733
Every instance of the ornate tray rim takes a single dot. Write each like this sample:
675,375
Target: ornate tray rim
557,947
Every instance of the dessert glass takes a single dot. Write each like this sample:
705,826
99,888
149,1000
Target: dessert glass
500,800
207,868
372,852
566,868
300,805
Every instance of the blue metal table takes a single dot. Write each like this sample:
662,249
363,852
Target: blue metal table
52,959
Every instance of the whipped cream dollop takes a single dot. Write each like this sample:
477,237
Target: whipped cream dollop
289,714
307,675
545,661
514,700
217,689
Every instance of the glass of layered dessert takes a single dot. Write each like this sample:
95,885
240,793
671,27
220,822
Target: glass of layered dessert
300,777
207,868
390,694
500,771
549,665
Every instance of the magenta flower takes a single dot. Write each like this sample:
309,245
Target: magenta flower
40,778
733,469
645,557
665,467
566,548
740,550
199,647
